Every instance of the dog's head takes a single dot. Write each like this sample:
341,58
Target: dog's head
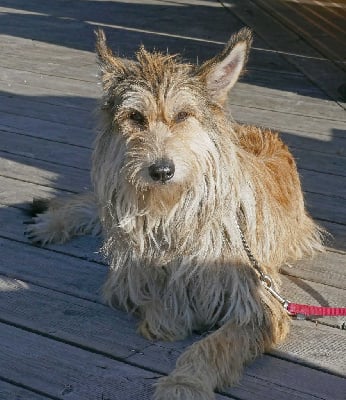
164,126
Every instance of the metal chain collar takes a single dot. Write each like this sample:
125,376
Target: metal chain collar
265,279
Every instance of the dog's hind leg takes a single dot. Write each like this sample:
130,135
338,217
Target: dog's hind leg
59,219
218,360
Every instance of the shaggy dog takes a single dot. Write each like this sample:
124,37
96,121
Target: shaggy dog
180,191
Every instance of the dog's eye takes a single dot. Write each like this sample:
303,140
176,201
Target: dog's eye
137,117
181,116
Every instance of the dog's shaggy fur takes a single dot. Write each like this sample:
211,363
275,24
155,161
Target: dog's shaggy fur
173,177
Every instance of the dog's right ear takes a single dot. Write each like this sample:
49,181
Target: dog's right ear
113,68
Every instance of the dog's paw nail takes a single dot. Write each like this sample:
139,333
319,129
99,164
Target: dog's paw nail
29,221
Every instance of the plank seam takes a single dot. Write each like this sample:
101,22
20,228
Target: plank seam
46,139
30,389
279,355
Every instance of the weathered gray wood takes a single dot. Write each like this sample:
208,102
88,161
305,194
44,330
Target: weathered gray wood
13,392
316,161
328,268
316,345
42,269
49,96
12,227
320,127
302,142
61,84
44,173
322,27
204,34
287,101
28,107
262,18
275,99
289,381
273,378
89,325
46,130
326,184
337,240
327,208
60,370
63,273
46,150
79,322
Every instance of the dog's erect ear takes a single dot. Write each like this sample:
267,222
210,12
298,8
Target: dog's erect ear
222,72
112,67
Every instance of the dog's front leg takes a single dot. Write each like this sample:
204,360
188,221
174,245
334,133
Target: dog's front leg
59,219
218,360
158,323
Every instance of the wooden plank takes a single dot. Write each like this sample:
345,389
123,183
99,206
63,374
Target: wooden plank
290,383
326,184
315,345
34,127
261,16
9,391
78,322
58,369
333,164
155,29
337,240
63,273
328,268
326,208
34,105
286,122
249,93
28,107
49,96
322,28
61,84
273,378
44,173
85,247
330,140
46,150
74,321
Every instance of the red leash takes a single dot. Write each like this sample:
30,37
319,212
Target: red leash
301,310
295,309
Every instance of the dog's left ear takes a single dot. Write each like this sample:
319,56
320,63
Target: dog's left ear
222,72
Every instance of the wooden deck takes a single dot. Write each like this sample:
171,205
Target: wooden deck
58,341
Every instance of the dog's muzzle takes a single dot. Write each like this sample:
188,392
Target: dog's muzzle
162,170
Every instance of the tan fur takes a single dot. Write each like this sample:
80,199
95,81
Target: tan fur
175,250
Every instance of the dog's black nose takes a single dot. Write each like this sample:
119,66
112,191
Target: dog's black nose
163,170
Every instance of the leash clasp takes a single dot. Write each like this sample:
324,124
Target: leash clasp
268,284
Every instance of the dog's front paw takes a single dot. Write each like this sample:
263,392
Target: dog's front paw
182,387
44,229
